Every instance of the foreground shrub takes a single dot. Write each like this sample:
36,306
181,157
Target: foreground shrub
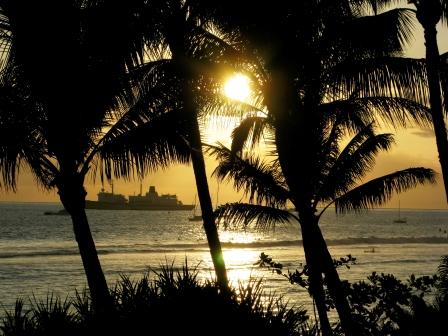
172,303
382,304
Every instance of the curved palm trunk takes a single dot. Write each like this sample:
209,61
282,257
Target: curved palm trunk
318,250
315,276
322,257
432,66
205,201
334,285
72,196
182,66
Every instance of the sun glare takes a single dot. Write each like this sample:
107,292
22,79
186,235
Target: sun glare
237,87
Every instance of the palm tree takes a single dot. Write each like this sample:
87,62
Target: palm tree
429,77
336,181
309,58
195,54
65,92
429,13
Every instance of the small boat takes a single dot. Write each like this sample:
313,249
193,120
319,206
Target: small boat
61,212
400,219
370,250
194,217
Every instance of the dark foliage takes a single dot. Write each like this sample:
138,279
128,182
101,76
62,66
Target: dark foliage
173,302
383,304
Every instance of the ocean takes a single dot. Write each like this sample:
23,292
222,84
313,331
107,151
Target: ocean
38,253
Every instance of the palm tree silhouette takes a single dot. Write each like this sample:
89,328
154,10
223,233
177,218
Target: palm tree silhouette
68,105
422,80
196,53
337,181
429,13
310,59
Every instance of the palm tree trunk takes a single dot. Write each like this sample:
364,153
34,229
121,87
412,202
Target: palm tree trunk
183,70
211,231
72,196
433,71
315,276
334,285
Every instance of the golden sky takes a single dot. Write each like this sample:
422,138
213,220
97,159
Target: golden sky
414,147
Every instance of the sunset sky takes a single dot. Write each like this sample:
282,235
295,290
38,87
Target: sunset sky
414,147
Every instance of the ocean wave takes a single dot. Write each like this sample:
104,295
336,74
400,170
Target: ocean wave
345,241
393,240
202,246
40,253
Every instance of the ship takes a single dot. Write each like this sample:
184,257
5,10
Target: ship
150,201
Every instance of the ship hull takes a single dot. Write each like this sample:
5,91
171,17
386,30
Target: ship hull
124,206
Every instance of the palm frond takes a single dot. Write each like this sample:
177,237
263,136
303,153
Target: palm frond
262,183
380,190
444,11
444,79
350,114
355,160
150,75
216,103
138,147
329,152
10,163
249,130
206,45
385,34
237,215
381,77
20,145
22,123
392,111
116,25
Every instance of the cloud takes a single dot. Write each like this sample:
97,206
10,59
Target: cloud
424,133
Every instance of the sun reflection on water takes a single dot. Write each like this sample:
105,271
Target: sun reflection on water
240,254
238,237
239,264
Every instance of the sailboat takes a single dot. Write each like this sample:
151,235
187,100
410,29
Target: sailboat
400,219
195,217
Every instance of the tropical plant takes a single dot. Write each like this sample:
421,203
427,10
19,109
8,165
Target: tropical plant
428,14
197,59
169,301
311,60
383,304
336,180
68,104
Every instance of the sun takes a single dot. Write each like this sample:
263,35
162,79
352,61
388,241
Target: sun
237,87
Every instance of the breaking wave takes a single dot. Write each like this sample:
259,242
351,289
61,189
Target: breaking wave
202,246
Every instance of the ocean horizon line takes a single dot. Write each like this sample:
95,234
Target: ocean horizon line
362,211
